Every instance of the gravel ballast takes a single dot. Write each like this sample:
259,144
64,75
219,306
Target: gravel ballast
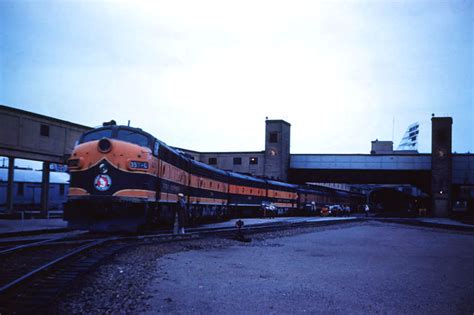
356,268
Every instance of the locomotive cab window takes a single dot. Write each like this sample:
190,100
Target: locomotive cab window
97,135
133,137
156,147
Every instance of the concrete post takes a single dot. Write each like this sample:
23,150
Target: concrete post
176,224
11,170
45,190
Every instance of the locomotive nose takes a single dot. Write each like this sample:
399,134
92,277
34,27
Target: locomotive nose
104,145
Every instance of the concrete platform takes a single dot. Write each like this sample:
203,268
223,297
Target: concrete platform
260,221
35,226
424,221
445,223
359,269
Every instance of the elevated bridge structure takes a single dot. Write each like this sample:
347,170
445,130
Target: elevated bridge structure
441,174
31,136
362,169
414,169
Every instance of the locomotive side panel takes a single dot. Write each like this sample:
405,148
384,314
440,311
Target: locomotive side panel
246,195
208,194
283,196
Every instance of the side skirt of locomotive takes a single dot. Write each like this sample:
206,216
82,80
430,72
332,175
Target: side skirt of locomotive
112,214
106,214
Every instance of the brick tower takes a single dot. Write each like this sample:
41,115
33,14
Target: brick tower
277,149
441,165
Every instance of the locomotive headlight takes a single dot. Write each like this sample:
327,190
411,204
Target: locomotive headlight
136,165
104,145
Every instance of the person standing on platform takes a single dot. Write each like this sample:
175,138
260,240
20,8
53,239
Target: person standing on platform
180,215
367,210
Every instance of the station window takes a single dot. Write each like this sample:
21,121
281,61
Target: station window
253,160
212,161
44,130
237,161
273,137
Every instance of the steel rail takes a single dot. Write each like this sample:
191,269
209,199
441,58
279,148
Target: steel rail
30,245
49,264
41,242
276,226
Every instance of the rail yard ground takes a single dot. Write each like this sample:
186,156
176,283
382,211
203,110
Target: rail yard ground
358,267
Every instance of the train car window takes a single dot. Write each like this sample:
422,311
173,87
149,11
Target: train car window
133,137
97,135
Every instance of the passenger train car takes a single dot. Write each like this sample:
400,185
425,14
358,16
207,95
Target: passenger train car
124,179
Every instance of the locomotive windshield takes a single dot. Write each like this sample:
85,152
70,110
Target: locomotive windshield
97,135
121,133
133,137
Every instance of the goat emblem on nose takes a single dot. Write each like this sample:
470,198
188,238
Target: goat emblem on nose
102,182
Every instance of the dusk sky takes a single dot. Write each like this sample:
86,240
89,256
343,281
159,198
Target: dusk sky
203,75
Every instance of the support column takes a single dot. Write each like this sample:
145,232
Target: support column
45,190
11,170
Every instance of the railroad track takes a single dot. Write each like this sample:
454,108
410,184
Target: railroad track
34,275
41,273
18,244
266,227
